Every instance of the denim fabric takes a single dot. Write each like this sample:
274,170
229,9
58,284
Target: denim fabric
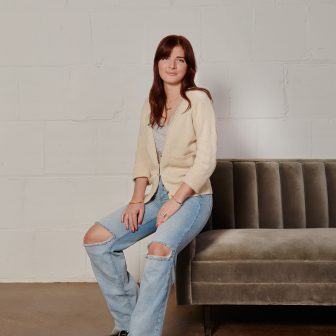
141,310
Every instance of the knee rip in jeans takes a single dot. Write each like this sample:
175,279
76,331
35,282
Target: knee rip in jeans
97,235
160,251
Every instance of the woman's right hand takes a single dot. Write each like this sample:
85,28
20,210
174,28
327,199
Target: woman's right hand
132,216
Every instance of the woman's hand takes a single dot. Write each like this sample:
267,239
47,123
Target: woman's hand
166,211
132,216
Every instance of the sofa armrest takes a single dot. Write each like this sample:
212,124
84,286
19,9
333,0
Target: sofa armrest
183,270
183,274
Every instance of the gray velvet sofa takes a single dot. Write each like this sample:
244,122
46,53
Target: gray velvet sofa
271,238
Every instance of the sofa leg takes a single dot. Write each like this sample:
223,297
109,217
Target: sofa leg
207,320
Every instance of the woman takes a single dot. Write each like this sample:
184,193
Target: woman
176,155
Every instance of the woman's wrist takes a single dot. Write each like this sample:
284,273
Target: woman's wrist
177,201
136,200
183,193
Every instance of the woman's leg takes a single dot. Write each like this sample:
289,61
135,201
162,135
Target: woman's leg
104,243
159,272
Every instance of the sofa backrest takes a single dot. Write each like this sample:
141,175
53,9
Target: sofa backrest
274,194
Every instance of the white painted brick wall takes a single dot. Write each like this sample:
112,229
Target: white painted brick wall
74,75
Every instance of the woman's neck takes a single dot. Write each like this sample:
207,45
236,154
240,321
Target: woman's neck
172,93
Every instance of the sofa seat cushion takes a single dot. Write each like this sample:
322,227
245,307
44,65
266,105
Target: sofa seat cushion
265,255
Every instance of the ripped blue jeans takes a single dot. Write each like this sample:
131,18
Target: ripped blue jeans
141,310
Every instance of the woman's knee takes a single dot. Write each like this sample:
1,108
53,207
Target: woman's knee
97,234
158,249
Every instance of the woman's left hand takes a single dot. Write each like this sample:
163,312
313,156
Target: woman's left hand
166,211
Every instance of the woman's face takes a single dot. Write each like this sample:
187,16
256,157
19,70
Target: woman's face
173,68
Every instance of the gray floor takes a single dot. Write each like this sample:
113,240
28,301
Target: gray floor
64,309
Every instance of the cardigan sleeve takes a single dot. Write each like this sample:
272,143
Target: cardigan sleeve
141,163
204,120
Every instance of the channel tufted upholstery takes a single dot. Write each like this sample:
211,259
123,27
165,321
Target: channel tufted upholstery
271,238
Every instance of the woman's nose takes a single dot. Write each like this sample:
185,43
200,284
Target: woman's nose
172,64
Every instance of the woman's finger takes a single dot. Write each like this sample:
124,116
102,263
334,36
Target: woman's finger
135,222
140,216
159,219
159,222
126,222
131,223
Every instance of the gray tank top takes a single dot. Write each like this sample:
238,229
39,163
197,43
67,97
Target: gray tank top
160,136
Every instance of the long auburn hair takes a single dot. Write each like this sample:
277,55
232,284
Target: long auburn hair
157,95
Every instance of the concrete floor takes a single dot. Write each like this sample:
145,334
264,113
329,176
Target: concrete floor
79,309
